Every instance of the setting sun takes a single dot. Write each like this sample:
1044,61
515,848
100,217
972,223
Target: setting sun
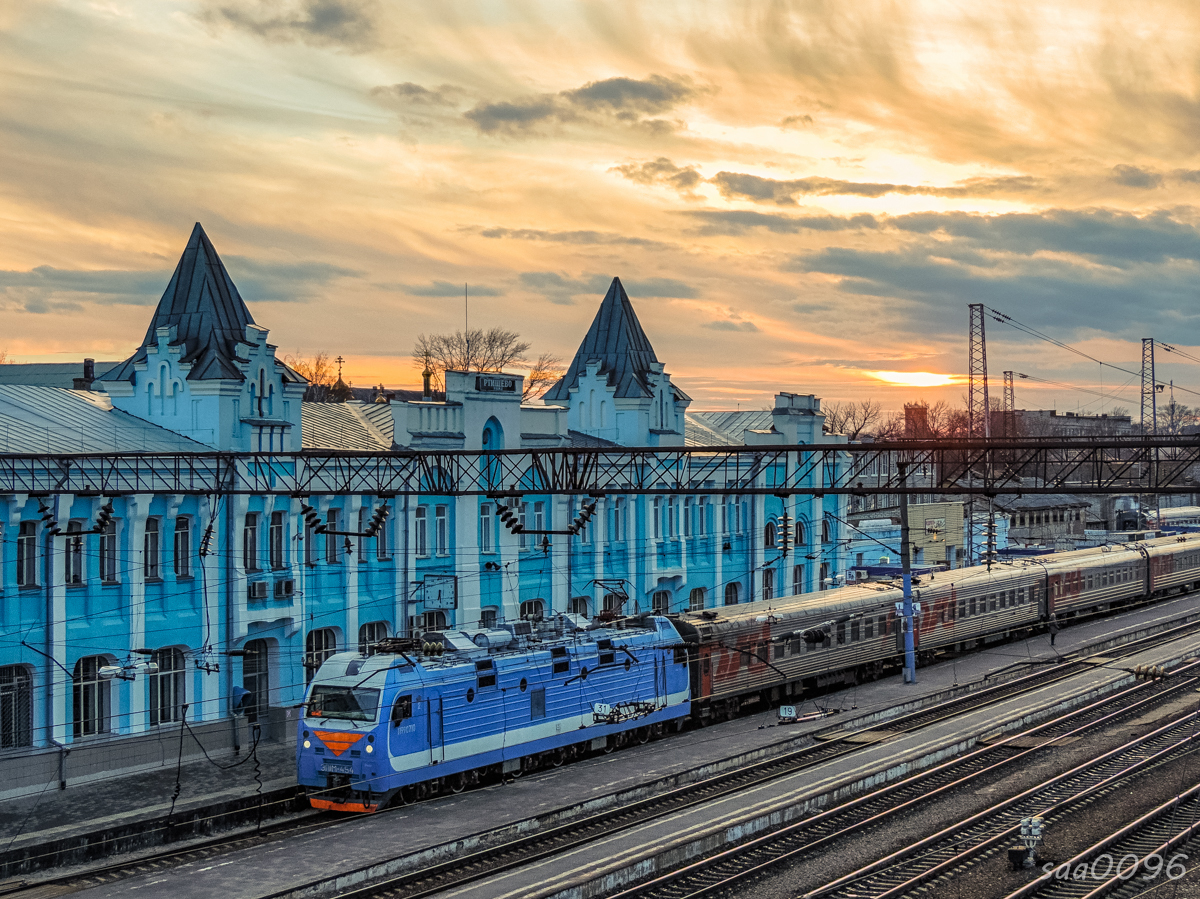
913,378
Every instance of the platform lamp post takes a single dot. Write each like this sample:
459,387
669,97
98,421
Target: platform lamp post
906,607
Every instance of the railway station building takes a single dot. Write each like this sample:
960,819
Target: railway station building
94,588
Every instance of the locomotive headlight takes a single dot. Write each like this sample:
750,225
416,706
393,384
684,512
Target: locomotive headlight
370,749
307,744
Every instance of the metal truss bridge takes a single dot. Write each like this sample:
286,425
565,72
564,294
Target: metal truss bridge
1110,465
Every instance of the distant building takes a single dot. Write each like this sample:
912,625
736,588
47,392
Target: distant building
1044,519
1049,423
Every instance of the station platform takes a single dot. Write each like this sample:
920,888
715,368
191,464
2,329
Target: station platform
586,785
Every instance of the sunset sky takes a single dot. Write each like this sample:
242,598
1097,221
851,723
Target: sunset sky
797,196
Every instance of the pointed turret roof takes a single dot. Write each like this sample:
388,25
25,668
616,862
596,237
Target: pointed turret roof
207,312
616,340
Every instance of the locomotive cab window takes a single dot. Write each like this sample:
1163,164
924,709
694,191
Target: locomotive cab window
401,709
343,703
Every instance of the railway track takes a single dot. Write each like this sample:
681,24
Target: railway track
936,858
756,857
1124,863
486,863
831,744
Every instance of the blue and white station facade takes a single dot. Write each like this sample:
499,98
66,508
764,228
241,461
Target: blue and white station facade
93,588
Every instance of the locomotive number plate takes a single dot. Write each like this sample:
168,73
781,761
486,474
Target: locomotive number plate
336,768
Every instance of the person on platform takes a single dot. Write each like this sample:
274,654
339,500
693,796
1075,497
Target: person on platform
1053,628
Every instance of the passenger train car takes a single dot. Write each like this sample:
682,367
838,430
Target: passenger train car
781,648
501,701
439,714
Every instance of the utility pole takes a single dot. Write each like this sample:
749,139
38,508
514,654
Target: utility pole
977,395
908,621
1010,406
1149,401
1150,410
978,411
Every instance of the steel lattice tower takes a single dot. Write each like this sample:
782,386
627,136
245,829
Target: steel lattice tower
1010,406
977,403
1149,404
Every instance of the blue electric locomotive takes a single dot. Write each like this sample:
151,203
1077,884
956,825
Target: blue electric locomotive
441,712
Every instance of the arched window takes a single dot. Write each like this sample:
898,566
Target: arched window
256,678
613,602
318,646
799,532
578,605
370,634
696,599
16,707
769,534
488,616
168,687
533,609
824,575
826,529
91,697
797,580
732,593
768,584
660,602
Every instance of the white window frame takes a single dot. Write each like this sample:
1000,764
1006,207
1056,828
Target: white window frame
487,541
108,552
421,532
250,542
277,555
152,550
182,542
27,554
442,521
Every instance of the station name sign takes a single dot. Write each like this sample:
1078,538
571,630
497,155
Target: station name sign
488,384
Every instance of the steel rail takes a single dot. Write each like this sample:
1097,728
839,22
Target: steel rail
1158,832
526,850
936,855
759,855
685,796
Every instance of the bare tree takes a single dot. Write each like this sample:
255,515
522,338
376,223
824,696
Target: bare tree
546,369
3,356
320,373
493,349
1173,417
852,418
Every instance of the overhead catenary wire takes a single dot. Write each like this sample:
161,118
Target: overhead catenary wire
1005,319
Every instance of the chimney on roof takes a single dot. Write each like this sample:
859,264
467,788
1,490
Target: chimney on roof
89,375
